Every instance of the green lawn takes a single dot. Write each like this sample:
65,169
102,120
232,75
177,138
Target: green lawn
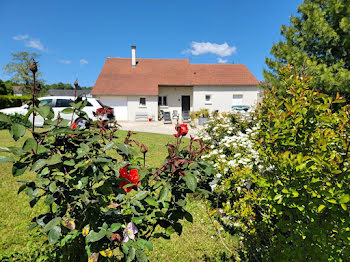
198,240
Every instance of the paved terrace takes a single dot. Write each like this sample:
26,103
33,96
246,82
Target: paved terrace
155,127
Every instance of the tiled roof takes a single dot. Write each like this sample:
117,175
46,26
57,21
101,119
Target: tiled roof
118,77
17,89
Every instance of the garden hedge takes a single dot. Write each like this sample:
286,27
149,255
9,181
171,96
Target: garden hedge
12,101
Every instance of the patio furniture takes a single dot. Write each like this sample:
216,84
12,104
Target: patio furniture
141,116
160,114
175,114
166,117
186,116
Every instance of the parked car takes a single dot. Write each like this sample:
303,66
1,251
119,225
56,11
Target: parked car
58,103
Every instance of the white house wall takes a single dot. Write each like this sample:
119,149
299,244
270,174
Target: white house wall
173,95
222,97
134,107
119,104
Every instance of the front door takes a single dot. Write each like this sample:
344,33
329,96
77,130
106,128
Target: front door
185,103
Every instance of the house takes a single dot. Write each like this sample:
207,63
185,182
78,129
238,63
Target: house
139,86
17,90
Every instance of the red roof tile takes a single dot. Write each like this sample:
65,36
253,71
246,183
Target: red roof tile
118,77
17,88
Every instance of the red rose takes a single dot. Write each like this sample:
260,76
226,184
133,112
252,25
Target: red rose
129,178
182,130
123,172
134,176
74,126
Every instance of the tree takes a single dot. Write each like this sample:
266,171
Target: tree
65,86
19,69
5,88
317,43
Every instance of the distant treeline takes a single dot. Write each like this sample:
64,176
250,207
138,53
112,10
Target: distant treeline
6,87
65,86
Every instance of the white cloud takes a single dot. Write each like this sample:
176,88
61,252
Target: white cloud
64,61
222,61
200,48
30,42
36,44
83,61
20,37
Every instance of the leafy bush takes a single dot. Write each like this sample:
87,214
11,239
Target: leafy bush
12,101
103,202
201,113
289,196
14,119
32,253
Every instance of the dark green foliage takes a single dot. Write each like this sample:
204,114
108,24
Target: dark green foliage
316,44
13,119
300,196
65,86
12,101
6,88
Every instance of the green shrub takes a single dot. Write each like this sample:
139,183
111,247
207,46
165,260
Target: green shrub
13,101
290,202
201,113
304,182
14,119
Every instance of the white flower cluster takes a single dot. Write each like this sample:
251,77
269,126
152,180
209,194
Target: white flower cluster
229,148
228,145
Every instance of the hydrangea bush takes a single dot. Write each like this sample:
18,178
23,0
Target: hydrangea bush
103,202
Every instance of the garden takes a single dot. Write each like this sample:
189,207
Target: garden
198,239
269,186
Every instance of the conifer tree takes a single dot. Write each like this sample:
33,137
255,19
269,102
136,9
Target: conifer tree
316,43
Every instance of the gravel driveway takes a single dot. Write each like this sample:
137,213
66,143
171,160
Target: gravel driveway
155,127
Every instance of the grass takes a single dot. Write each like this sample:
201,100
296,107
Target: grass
198,240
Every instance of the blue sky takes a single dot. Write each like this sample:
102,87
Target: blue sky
75,37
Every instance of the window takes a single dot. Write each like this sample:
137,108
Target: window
88,104
46,102
208,100
237,100
162,101
142,101
63,102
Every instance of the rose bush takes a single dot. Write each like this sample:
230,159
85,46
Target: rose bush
102,202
